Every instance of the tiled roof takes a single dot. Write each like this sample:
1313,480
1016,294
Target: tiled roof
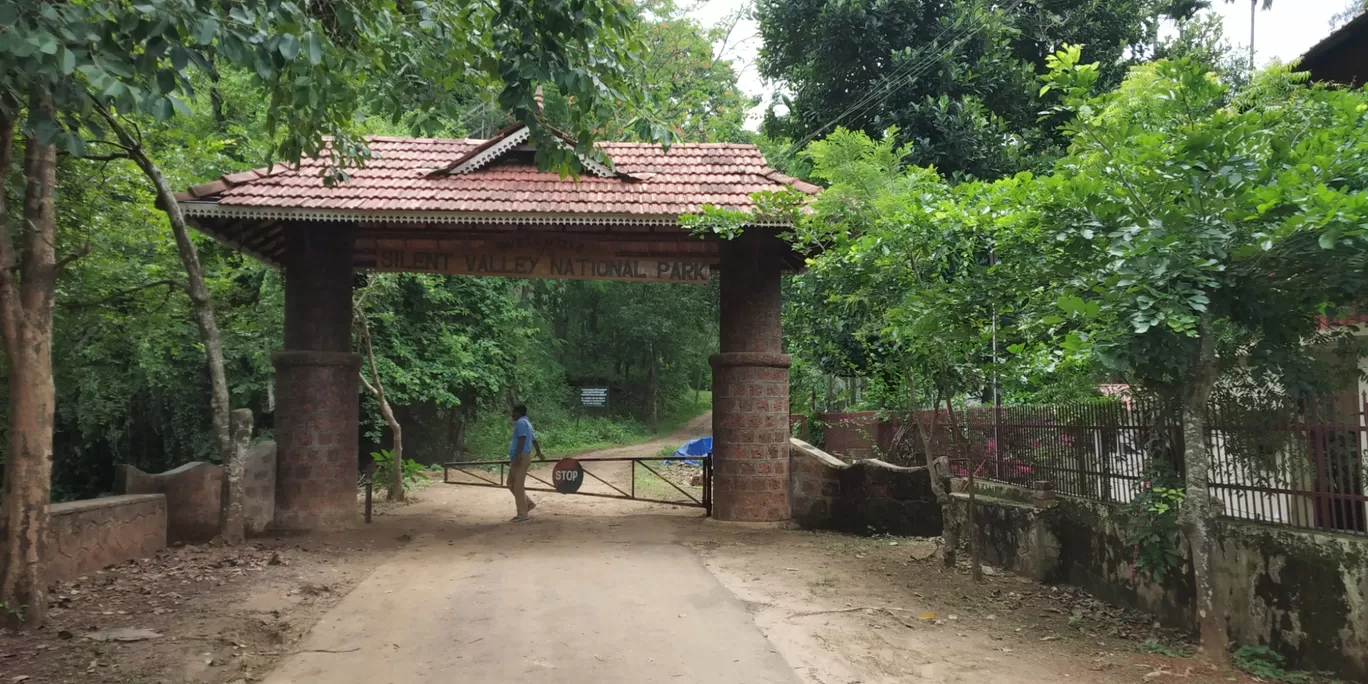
404,177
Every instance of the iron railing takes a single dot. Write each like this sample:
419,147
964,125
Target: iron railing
1303,468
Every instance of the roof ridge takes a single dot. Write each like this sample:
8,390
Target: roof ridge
796,184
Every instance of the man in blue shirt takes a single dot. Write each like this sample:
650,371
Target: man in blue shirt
520,459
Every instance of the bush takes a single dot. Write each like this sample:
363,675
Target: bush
384,469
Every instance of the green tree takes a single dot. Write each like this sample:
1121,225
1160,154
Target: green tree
444,345
1208,236
906,287
689,87
652,340
93,67
958,79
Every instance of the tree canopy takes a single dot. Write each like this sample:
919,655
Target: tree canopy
130,378
958,79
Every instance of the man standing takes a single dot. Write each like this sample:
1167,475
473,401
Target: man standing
520,459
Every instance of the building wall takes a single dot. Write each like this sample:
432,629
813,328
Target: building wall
88,535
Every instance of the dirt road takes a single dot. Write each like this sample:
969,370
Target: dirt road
569,597
602,590
591,589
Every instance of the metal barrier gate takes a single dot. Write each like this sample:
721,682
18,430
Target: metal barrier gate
483,472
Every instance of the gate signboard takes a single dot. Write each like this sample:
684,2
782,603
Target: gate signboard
567,476
537,265
594,397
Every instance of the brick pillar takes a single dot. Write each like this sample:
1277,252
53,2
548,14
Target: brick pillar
750,386
316,384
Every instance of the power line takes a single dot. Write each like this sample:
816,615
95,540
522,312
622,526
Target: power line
900,77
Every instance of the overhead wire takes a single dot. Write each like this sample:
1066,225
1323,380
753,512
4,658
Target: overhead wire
900,77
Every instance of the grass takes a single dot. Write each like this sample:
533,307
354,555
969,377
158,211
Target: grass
565,435
1160,648
651,486
1266,664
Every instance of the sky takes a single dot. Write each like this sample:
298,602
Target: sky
1283,32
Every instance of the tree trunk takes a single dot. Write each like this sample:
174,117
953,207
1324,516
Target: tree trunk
26,320
232,518
947,504
1198,513
962,445
377,389
396,485
655,398
203,307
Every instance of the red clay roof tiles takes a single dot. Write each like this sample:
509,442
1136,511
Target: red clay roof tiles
665,183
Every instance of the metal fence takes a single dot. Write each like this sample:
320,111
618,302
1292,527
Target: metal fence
1095,450
1303,468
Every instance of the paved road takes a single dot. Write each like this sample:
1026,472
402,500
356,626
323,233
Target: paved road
556,600
569,597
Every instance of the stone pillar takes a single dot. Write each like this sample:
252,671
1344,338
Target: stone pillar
750,386
316,384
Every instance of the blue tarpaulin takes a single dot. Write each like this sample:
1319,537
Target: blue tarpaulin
701,446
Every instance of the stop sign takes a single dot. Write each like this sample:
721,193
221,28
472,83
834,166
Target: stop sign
567,476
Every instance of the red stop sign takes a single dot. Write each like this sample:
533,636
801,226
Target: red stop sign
567,476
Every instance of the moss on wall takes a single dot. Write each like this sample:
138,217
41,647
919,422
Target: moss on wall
1303,594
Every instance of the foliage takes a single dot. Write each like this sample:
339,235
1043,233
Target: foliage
128,364
1151,524
775,206
1266,664
562,432
1176,200
1160,648
905,257
1182,216
957,79
1190,237
384,469
129,369
687,89
649,342
448,342
319,69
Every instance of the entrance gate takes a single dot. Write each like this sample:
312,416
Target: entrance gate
483,207
483,473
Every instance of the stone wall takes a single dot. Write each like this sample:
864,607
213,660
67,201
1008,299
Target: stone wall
193,492
88,535
1303,594
862,497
